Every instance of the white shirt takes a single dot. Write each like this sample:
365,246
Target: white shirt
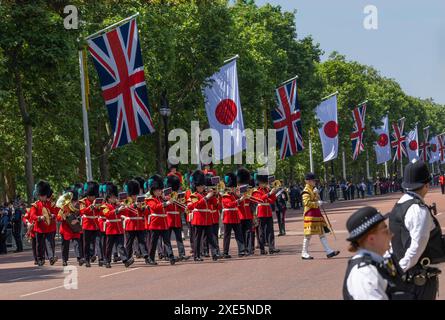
419,223
366,283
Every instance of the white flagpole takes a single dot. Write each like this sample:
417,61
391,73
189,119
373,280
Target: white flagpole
401,166
311,162
344,164
113,25
86,133
367,166
386,169
331,95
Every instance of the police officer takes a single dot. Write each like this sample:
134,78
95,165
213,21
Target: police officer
369,276
417,240
17,223
4,222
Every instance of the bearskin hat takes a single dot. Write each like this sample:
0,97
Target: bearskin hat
208,180
141,182
155,182
111,190
262,178
172,181
230,180
133,187
91,189
43,188
243,176
197,178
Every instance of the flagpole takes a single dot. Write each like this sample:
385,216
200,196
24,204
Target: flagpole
86,133
311,163
344,163
401,166
233,58
386,169
367,165
362,103
113,25
287,81
331,95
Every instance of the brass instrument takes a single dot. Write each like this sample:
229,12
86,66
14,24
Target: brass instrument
278,186
180,201
219,188
47,215
69,212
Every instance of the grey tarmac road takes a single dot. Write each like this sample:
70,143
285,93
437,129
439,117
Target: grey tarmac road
280,276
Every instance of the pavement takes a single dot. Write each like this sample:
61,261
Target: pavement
271,277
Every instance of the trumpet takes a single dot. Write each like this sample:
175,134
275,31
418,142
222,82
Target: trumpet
178,198
218,188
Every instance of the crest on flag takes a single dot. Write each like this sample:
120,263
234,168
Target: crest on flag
357,133
398,140
425,145
118,61
287,120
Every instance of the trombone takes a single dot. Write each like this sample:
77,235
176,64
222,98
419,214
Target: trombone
178,198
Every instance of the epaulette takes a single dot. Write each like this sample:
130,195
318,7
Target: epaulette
34,204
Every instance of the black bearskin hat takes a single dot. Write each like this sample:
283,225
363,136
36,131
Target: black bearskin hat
141,182
208,180
173,182
262,178
197,179
230,180
243,176
156,183
43,188
91,189
133,188
111,190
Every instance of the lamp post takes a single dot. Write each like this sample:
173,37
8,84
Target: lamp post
165,112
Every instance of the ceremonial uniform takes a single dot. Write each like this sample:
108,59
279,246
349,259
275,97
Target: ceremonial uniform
30,233
314,223
231,222
264,199
417,242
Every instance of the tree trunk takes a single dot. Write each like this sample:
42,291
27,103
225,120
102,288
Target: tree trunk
104,165
10,185
28,131
2,188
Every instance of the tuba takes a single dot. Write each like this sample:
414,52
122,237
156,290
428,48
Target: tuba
68,211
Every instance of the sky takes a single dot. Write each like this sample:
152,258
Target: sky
408,46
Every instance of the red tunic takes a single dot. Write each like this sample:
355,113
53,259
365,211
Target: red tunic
27,219
36,211
113,223
89,216
134,218
157,218
174,215
263,209
201,209
230,208
65,229
244,211
216,209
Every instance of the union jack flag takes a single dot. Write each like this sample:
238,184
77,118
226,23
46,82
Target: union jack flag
424,146
287,120
357,133
398,140
118,61
441,141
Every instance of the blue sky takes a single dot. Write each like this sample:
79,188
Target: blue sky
409,44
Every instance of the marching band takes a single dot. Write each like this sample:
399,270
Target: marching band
101,222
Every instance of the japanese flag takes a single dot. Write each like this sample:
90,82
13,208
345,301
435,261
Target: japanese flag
326,113
434,150
224,113
382,147
412,145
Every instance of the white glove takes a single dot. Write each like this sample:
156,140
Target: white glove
320,202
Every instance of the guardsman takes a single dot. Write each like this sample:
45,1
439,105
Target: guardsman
215,209
43,215
90,211
230,211
245,211
370,276
314,223
68,234
417,239
157,219
142,191
30,234
134,220
264,197
101,235
199,206
114,229
174,211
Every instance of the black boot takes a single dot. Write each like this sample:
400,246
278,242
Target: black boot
129,262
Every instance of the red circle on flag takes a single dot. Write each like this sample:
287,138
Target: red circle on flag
433,147
382,140
413,145
226,111
331,129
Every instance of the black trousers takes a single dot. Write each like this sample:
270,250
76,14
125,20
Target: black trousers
66,248
198,231
266,233
332,196
442,187
281,220
89,243
46,242
17,234
130,236
236,227
179,241
118,240
246,230
100,245
3,248
40,243
154,237
34,248
205,242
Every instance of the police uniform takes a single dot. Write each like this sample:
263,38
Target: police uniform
370,276
314,223
417,240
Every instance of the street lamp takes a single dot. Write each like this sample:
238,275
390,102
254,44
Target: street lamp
165,112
